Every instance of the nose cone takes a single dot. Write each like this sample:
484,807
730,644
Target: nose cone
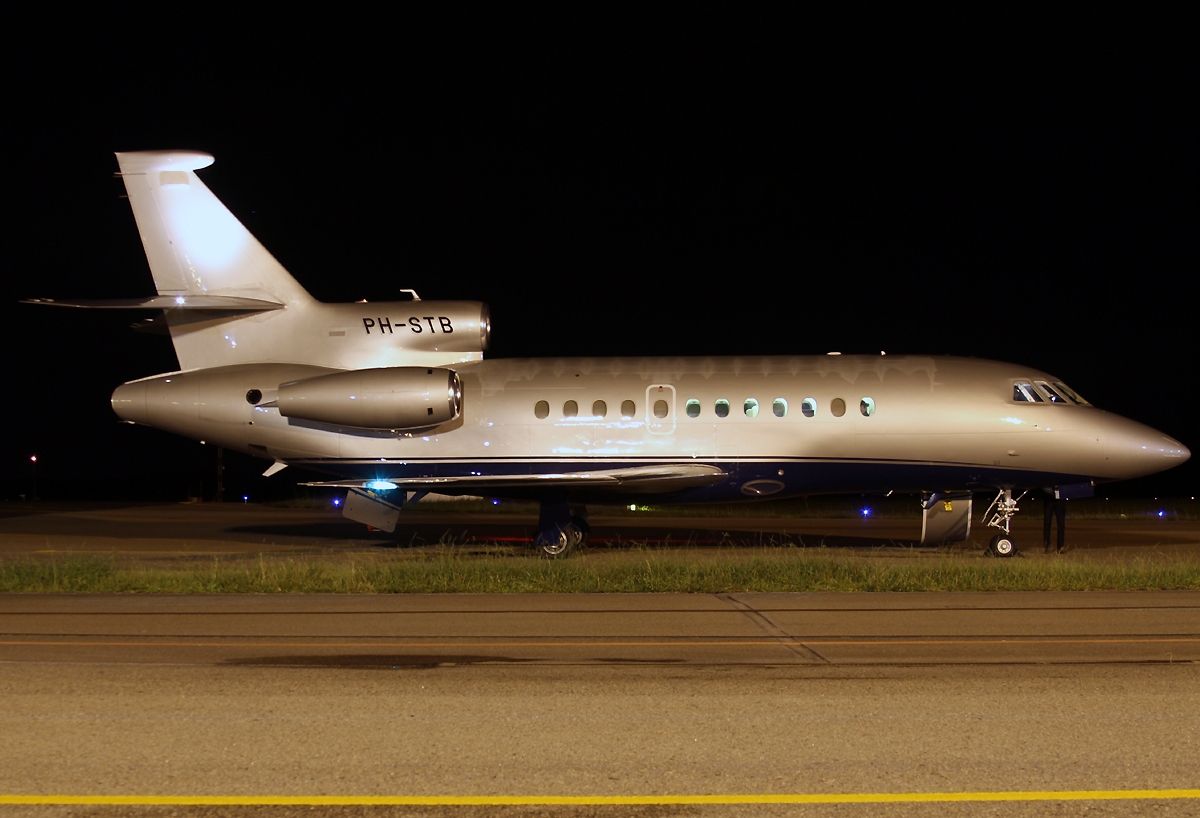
129,402
1134,450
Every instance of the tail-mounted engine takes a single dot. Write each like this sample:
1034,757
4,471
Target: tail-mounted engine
397,398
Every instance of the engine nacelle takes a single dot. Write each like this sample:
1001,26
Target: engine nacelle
402,397
415,326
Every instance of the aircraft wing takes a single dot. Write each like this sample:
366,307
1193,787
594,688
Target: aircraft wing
639,480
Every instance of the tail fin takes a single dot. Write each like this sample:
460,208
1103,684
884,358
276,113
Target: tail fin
195,246
193,243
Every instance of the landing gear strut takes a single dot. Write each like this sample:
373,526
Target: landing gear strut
560,531
1003,544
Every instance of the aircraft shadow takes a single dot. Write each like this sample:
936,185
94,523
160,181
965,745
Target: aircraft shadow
417,536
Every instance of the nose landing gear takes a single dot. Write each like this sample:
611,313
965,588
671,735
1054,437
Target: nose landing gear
1003,544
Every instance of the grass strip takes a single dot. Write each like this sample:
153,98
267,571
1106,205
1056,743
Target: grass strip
450,571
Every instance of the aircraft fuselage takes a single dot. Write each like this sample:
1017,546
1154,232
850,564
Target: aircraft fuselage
792,426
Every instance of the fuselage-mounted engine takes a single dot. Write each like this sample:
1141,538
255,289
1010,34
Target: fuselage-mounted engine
399,398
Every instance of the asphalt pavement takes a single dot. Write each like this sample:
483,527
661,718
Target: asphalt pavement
604,696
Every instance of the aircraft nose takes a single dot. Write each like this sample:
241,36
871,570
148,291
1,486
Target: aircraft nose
1132,449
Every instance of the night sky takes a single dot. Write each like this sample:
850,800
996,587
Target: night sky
709,180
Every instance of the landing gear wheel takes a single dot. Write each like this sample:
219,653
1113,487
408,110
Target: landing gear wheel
559,543
584,529
1003,545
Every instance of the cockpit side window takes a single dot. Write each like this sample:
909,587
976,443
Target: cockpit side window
1070,393
1024,391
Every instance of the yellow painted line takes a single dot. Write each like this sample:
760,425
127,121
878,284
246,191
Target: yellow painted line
550,643
596,800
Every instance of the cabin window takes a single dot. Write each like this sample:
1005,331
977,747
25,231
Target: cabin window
779,407
1049,392
693,408
750,407
599,409
838,407
660,408
722,408
867,407
1070,393
570,409
541,410
809,407
628,410
1023,391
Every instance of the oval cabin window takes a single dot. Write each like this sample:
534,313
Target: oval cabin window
660,408
599,409
750,407
722,408
838,407
779,407
809,407
867,407
541,410
628,410
570,409
693,408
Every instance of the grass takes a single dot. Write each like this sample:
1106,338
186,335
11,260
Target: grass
452,570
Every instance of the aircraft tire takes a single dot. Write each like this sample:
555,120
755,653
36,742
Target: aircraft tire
558,544
584,529
1003,545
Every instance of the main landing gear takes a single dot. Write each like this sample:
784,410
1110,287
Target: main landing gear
1003,544
561,530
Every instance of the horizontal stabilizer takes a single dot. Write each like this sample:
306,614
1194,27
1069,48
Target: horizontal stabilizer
641,479
166,302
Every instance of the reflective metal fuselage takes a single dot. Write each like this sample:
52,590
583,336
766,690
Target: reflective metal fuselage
242,326
935,424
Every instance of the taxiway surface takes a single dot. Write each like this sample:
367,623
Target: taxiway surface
590,695
605,694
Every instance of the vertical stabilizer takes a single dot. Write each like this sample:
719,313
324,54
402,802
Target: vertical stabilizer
196,246
192,241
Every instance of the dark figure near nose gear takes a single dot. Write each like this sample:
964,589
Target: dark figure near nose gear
1054,506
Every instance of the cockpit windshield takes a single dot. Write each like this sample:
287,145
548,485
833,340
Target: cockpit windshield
1049,392
1070,393
1046,392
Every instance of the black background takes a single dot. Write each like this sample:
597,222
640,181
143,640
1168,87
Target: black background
705,179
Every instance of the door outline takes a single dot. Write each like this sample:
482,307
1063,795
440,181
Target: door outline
660,426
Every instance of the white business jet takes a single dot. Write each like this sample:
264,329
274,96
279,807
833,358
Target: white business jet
396,398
